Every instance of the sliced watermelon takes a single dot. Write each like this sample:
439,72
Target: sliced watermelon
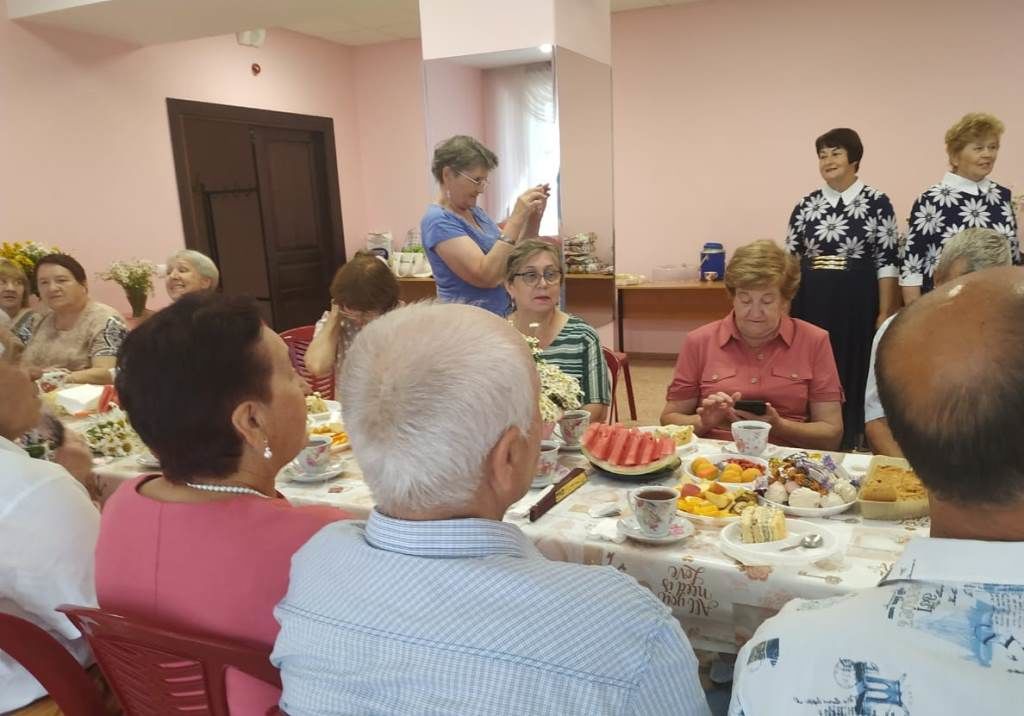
620,450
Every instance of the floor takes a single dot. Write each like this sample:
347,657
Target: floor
650,381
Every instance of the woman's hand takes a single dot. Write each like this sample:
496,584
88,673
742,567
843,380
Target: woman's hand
530,201
717,409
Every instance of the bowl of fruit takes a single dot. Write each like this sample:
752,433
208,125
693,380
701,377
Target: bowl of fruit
731,470
709,501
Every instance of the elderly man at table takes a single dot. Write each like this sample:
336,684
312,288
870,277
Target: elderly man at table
969,251
944,631
434,605
48,529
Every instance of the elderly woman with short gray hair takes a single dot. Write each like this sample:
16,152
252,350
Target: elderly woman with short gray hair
189,271
966,252
466,249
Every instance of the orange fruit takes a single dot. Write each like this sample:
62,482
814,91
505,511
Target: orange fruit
706,471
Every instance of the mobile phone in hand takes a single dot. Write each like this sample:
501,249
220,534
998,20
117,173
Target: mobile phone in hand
757,407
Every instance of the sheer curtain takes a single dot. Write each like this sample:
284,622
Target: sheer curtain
520,122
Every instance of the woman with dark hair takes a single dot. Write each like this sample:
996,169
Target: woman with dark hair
846,237
467,250
207,544
79,337
363,288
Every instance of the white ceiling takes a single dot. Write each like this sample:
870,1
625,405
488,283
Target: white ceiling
147,22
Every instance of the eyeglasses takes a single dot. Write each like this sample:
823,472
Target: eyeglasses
552,277
482,183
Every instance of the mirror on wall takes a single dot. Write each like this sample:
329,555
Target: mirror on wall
536,109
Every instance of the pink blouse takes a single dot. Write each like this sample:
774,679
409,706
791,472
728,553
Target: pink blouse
216,567
793,370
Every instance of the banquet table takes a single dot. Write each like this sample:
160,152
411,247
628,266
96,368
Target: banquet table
719,601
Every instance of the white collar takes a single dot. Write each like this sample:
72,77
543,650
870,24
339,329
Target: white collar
832,196
964,184
10,446
959,561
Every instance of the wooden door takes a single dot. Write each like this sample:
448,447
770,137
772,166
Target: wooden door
259,195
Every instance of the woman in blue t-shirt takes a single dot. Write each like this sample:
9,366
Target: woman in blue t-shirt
467,251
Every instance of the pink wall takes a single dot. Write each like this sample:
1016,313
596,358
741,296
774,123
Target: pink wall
455,94
717,104
86,156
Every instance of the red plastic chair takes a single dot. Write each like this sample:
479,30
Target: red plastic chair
64,679
619,362
298,340
155,670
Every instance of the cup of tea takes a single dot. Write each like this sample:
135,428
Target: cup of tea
573,424
547,464
751,436
54,379
313,458
654,507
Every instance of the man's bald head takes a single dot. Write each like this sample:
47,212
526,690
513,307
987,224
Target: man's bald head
951,379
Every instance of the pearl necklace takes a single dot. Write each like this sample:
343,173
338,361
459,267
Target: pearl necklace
227,488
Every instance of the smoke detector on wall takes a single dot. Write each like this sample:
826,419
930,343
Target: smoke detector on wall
251,38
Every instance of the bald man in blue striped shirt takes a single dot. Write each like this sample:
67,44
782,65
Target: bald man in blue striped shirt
436,606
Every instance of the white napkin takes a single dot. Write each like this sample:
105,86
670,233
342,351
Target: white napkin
79,398
605,530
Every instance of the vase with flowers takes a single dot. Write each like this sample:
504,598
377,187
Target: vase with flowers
26,254
136,278
559,391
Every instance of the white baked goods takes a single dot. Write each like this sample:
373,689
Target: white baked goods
804,497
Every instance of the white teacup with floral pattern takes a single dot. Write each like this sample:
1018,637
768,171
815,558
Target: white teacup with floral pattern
751,436
573,424
654,507
312,458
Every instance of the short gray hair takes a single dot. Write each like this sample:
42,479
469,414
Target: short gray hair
202,263
427,390
461,153
979,248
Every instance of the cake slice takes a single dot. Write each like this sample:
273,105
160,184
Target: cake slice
762,524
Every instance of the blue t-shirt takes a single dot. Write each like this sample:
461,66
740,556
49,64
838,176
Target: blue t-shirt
439,225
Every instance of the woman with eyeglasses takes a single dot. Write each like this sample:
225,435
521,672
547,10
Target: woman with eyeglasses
467,250
362,289
534,281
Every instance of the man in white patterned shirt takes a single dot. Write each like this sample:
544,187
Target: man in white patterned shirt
943,633
434,605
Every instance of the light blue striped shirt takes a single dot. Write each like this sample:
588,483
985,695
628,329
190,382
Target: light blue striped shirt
467,617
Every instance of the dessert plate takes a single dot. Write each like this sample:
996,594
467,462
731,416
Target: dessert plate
809,511
768,553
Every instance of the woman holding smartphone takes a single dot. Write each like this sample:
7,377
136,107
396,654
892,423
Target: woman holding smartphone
758,353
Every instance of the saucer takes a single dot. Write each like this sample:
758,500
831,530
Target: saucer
570,448
331,470
681,529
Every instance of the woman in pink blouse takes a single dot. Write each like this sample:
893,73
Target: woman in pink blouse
758,352
207,545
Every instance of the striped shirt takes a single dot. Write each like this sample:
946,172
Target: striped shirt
577,351
466,616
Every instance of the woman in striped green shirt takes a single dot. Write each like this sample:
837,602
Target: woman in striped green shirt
533,280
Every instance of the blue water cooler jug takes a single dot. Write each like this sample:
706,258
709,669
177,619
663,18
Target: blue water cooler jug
712,258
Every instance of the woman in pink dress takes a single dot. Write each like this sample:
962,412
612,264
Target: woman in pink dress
207,545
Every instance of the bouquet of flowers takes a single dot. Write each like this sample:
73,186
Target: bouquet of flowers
136,278
112,435
558,391
26,254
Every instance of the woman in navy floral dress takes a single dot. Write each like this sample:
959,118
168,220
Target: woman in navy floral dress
846,236
965,198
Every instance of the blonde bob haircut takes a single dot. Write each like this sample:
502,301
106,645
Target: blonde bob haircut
14,272
526,250
762,265
972,127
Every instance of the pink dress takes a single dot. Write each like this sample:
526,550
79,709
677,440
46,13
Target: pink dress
216,567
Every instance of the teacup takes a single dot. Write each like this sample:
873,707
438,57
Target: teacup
573,424
53,380
654,507
314,457
546,464
751,436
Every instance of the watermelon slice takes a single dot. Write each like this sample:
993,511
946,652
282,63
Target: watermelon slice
619,450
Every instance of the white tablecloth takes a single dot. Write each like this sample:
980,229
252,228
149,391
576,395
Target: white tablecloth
718,600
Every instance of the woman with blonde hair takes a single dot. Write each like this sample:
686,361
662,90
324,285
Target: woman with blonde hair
14,297
758,353
965,198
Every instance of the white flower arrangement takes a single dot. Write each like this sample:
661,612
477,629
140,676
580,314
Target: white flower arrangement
558,391
135,275
112,435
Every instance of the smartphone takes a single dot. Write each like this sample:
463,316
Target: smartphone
757,407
